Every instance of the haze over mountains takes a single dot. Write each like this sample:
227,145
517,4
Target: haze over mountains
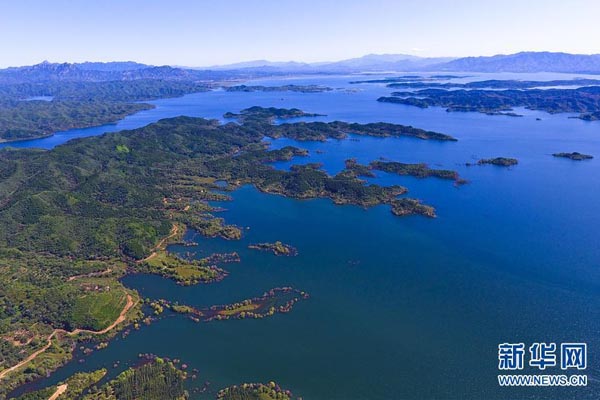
128,70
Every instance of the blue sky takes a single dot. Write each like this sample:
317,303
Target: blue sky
200,33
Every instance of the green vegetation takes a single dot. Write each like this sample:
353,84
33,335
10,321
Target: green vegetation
98,309
404,206
574,156
184,272
77,104
277,248
155,380
73,387
114,90
420,170
500,161
43,298
42,394
254,391
583,100
260,119
21,120
355,169
276,300
268,115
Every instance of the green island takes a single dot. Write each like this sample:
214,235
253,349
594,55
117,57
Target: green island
77,104
261,119
574,156
254,391
419,170
583,100
406,206
77,218
284,88
222,258
277,248
262,115
499,161
276,300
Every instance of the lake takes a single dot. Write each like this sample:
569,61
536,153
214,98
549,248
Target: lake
400,308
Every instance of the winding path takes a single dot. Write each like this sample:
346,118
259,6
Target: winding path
90,275
59,390
121,318
33,356
174,232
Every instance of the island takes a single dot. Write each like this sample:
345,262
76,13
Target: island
499,161
262,118
405,206
277,248
584,100
419,170
574,156
276,300
268,115
495,84
284,88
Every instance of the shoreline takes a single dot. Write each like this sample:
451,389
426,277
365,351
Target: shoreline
51,134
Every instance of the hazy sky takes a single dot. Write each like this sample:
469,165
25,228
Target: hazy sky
200,33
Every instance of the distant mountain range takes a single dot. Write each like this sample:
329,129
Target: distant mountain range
519,62
96,72
129,70
370,62
525,62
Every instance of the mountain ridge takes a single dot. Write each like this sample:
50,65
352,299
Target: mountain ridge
130,70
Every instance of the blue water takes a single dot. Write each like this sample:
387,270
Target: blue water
400,308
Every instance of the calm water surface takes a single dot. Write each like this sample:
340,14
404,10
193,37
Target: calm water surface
400,308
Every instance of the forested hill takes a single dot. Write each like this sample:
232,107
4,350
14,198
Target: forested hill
90,197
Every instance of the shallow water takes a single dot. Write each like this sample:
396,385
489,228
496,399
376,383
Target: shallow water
400,308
